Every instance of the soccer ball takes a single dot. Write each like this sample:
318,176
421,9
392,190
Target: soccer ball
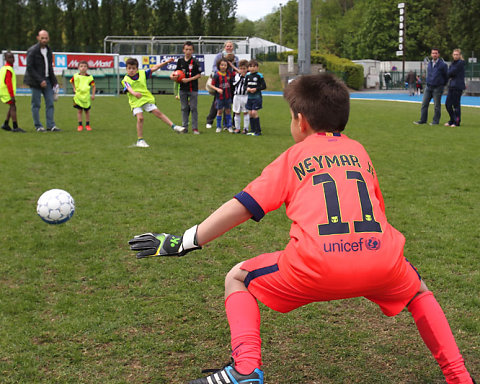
179,74
55,206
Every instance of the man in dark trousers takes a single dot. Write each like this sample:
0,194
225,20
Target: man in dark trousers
456,74
436,80
41,79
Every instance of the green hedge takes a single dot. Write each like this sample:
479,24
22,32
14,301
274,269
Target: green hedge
349,72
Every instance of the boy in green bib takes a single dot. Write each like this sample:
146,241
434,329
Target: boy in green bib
8,90
84,89
141,99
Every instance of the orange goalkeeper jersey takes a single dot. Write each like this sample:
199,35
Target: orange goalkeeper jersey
340,240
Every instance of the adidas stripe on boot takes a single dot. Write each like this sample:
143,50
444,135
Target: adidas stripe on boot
228,375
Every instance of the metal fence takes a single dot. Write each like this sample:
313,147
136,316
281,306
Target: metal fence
269,53
472,73
163,45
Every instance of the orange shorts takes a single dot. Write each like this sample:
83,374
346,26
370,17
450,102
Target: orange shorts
265,281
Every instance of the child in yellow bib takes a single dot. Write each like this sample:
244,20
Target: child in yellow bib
8,90
141,99
84,88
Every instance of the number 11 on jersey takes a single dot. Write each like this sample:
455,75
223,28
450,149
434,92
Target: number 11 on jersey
335,224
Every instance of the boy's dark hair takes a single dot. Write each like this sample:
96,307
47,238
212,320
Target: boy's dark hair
188,44
131,61
220,60
83,62
9,56
323,100
243,63
253,63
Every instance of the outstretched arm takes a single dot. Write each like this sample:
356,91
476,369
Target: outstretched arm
156,67
233,66
229,215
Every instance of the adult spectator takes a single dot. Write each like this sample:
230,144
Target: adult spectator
411,81
41,79
456,74
228,48
388,80
436,80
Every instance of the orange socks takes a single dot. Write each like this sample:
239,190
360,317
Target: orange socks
435,331
243,316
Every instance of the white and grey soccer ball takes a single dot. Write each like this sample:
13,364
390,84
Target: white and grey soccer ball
55,206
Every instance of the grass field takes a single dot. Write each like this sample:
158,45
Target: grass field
77,307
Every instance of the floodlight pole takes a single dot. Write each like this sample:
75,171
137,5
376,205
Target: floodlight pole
402,35
304,10
281,42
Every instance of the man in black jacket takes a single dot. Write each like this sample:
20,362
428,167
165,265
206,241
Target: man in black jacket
456,74
41,79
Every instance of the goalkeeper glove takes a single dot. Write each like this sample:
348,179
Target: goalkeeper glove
164,244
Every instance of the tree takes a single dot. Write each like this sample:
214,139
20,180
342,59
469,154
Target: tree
245,27
115,18
106,17
93,38
124,20
270,30
164,12
290,24
197,24
464,26
15,33
355,29
142,18
425,28
53,18
71,19
376,36
331,26
182,25
36,18
220,17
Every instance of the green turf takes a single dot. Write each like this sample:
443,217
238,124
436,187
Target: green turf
77,307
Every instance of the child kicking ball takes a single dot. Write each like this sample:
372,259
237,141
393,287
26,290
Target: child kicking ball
141,99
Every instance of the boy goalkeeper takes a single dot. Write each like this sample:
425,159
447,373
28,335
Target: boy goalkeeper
341,244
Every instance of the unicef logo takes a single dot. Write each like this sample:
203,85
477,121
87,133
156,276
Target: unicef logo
373,244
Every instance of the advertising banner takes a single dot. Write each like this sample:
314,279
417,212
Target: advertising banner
94,61
63,61
147,61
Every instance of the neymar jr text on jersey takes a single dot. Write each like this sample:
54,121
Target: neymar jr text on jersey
315,163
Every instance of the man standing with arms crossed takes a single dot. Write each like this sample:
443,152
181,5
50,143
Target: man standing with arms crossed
41,79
